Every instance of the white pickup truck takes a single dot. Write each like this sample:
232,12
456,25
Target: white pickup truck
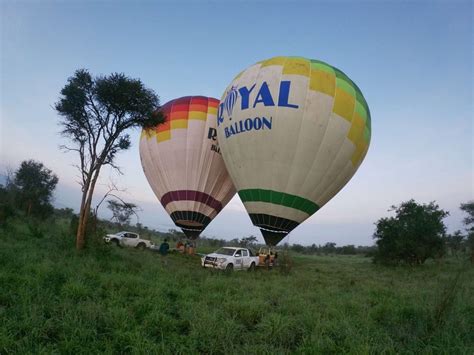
230,258
128,239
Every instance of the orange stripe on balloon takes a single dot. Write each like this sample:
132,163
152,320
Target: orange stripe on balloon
197,107
163,127
179,115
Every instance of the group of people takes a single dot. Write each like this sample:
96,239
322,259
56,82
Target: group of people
186,248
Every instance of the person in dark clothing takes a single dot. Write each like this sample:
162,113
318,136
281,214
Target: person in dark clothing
164,247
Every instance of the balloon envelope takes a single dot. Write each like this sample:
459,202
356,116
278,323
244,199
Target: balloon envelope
183,164
292,131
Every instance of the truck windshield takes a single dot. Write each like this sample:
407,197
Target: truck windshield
225,251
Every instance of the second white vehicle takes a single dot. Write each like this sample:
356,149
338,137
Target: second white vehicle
230,258
128,239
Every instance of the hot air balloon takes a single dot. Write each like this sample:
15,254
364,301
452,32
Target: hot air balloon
292,132
183,164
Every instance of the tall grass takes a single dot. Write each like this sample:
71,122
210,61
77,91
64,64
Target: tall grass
112,300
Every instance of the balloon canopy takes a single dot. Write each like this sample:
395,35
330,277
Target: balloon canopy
183,164
293,131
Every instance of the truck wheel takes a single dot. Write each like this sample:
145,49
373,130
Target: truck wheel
229,267
115,242
141,246
252,267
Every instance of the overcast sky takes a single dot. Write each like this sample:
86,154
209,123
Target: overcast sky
412,60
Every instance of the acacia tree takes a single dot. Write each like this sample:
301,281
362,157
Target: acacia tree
413,235
96,113
248,241
122,211
329,248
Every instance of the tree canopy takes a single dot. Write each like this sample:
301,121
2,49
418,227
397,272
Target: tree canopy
33,185
468,207
413,235
122,211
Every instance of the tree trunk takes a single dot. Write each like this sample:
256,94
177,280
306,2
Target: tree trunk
85,211
80,241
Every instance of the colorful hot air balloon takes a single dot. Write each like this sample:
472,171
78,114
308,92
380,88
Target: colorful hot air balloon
292,131
183,164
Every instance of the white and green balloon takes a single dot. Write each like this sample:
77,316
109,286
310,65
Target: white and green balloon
292,132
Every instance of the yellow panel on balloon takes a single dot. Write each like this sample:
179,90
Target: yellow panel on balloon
357,129
163,136
274,61
179,124
197,115
361,148
323,82
344,104
297,66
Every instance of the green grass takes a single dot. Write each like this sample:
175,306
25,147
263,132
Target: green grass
105,299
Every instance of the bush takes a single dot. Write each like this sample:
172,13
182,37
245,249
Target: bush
412,236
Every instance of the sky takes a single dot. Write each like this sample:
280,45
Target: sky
411,59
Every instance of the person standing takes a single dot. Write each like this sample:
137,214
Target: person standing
164,247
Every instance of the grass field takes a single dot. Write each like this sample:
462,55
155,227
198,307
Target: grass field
54,300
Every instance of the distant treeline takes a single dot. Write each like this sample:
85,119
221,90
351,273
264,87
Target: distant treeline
415,233
174,236
456,244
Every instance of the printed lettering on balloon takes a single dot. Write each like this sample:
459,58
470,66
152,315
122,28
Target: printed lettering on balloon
249,124
212,135
252,97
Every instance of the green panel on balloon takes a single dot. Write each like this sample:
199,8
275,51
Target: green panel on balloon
280,198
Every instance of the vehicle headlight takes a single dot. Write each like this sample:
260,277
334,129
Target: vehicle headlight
221,260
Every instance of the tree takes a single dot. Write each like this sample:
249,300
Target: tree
64,213
329,248
454,242
348,250
122,211
234,241
33,186
248,241
96,113
468,207
298,248
6,206
413,235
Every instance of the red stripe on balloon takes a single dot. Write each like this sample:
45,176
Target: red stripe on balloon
190,195
213,102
